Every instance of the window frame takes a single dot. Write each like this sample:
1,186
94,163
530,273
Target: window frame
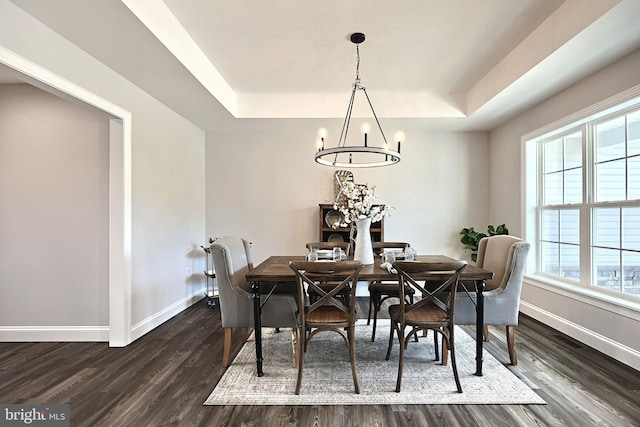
532,162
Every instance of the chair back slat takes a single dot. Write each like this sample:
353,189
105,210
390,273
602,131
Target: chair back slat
421,276
308,275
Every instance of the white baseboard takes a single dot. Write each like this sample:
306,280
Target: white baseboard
93,333
614,349
53,333
157,319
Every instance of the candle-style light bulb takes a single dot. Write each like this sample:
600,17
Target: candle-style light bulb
399,137
322,133
365,130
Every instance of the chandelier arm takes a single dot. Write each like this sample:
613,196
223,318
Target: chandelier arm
375,116
347,119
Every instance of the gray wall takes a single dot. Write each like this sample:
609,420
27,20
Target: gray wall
167,180
608,326
263,184
54,212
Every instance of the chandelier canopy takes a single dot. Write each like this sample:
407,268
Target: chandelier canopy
358,156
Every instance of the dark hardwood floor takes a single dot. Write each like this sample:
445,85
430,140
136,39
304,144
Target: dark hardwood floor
164,377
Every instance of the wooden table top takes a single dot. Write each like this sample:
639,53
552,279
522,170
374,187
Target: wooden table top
276,269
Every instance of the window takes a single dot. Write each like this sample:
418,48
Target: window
587,204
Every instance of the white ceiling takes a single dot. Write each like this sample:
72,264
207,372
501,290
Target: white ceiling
456,64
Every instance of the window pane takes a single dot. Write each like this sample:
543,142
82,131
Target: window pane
550,225
570,226
633,178
570,262
573,186
553,188
550,258
601,196
610,179
631,228
552,154
573,151
606,227
631,272
633,136
606,263
610,139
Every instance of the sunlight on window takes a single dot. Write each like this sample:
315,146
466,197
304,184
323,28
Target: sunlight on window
611,210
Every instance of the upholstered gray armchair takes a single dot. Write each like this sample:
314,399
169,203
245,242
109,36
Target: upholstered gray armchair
506,257
232,260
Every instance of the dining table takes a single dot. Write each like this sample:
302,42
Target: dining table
275,270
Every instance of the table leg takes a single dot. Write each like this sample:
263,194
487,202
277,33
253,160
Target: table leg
479,284
257,325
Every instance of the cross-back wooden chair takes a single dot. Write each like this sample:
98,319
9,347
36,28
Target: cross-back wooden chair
381,291
429,312
327,312
316,246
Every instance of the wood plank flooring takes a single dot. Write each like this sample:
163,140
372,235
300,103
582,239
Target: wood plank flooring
164,377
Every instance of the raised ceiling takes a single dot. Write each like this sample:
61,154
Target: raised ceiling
456,64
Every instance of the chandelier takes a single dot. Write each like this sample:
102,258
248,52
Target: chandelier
358,156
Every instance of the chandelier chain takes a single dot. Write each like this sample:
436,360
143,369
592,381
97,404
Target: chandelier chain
357,65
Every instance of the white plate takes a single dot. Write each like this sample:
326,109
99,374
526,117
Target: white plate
333,218
335,237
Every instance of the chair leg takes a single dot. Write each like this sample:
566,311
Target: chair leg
352,356
390,342
301,350
511,344
294,345
305,339
435,345
377,305
453,359
486,332
375,323
370,306
445,347
227,347
401,359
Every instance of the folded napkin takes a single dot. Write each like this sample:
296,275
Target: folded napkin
387,266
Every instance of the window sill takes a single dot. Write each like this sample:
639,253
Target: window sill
627,307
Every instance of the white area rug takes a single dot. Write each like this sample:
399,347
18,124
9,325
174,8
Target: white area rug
327,374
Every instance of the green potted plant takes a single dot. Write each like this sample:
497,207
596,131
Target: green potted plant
471,238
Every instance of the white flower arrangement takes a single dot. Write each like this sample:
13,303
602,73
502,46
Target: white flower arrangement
358,204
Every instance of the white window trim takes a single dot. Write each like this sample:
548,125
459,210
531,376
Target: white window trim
601,300
529,201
